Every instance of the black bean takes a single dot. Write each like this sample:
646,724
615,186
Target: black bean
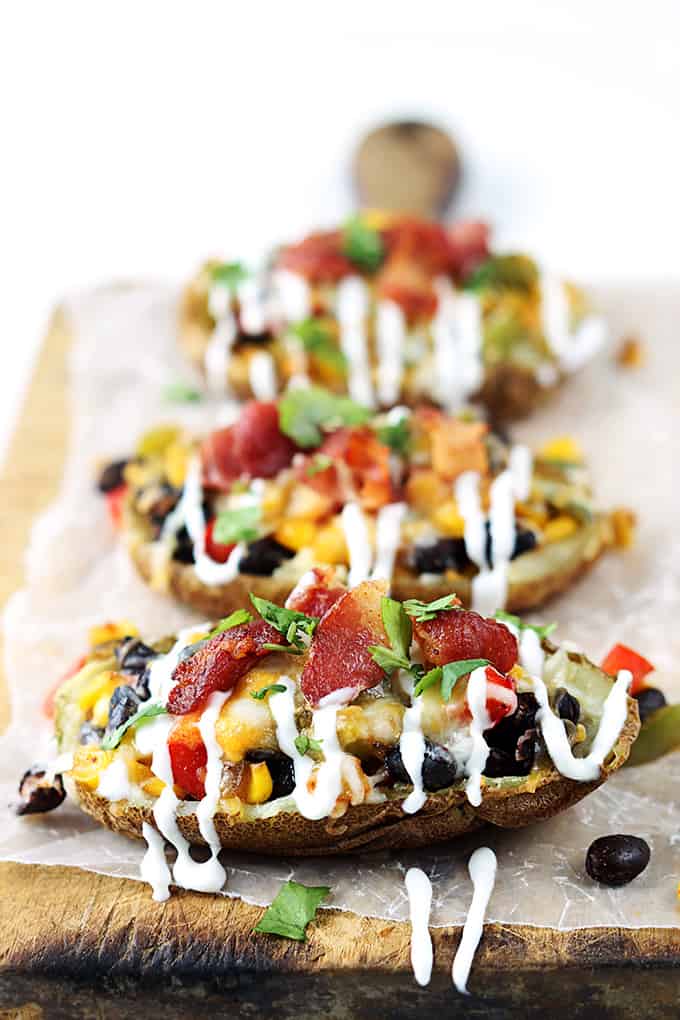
649,699
90,734
437,557
133,656
263,557
280,769
140,684
499,763
184,547
38,792
617,860
439,767
112,476
506,734
525,541
166,500
567,706
123,705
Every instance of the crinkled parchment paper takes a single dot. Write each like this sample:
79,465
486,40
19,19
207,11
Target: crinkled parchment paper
627,422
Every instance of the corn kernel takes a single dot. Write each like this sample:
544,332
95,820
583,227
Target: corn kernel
88,762
532,512
330,546
111,632
154,786
176,462
562,448
425,490
448,520
100,712
155,442
623,523
138,772
231,805
101,686
296,533
307,503
559,528
273,500
258,787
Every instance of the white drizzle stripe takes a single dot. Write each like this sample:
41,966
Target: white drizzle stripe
482,869
352,309
205,811
412,750
474,766
573,350
320,801
252,307
114,783
218,353
457,337
419,889
387,539
154,867
262,375
355,529
390,332
292,295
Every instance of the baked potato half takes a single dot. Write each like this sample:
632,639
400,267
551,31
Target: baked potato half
343,722
429,501
390,309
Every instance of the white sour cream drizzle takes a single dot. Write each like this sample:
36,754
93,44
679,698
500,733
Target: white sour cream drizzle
114,783
457,336
490,585
573,350
352,309
364,563
419,889
291,294
412,750
189,511
482,869
318,802
218,353
390,333
479,752
252,306
262,375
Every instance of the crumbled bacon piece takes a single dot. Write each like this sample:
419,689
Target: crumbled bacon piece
318,258
315,592
339,658
455,446
219,664
459,634
253,446
367,469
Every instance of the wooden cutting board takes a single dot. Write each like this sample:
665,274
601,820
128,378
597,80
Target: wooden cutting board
76,945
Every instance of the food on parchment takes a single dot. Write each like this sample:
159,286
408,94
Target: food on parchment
429,501
617,860
390,309
343,721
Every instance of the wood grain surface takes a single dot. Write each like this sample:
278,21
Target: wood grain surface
75,944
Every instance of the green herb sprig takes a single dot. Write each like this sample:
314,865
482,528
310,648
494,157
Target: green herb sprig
240,525
317,340
303,743
399,632
543,630
297,628
149,710
269,689
294,906
421,612
362,244
303,413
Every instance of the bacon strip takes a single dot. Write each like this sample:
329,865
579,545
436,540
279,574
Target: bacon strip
456,634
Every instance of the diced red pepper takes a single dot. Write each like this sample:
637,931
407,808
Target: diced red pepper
217,551
339,658
622,657
48,702
115,500
219,664
188,755
501,699
459,634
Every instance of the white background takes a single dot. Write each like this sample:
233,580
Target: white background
137,137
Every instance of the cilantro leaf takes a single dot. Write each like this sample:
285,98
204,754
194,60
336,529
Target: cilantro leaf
453,671
396,435
237,525
297,628
499,271
230,274
234,619
317,340
147,711
424,611
269,689
320,462
397,626
294,906
388,659
181,393
304,743
428,680
543,630
362,244
304,412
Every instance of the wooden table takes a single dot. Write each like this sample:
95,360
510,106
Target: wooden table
75,944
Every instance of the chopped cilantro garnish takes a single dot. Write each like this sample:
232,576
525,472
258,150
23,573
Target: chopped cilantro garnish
237,525
234,619
398,628
293,908
269,689
320,462
317,340
396,435
181,393
297,628
543,630
424,611
303,743
362,244
448,676
515,271
230,274
147,711
303,413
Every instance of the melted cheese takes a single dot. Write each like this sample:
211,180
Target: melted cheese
419,889
482,869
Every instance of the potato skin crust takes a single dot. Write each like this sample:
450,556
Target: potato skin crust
383,826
